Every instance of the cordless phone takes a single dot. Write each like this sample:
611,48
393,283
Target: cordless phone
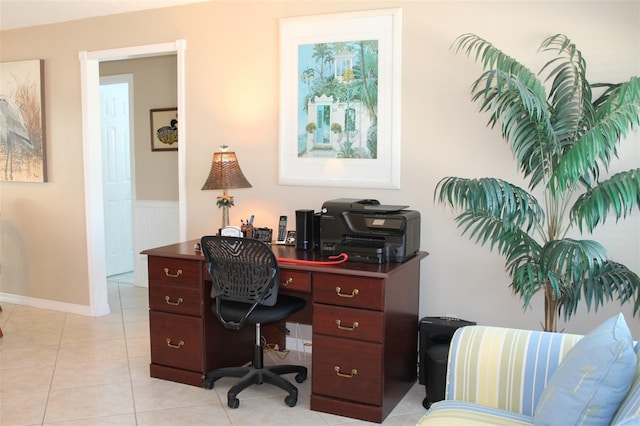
282,230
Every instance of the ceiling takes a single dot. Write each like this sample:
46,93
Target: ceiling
27,13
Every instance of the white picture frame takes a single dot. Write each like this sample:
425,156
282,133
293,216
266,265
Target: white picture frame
344,154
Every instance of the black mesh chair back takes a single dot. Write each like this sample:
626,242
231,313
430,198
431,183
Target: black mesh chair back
245,282
243,273
242,270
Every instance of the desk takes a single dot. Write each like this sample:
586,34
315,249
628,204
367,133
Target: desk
364,321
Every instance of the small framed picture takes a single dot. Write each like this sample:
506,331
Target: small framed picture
164,129
263,234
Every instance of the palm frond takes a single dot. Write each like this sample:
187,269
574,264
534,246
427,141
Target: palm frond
617,94
493,58
573,259
527,278
610,281
525,121
496,198
522,252
513,243
619,195
570,93
513,95
617,115
522,249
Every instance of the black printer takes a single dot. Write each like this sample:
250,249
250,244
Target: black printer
368,231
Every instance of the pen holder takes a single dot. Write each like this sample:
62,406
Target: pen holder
247,231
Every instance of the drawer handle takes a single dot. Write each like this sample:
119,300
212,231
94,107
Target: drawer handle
176,303
172,346
287,282
342,327
353,293
176,275
346,376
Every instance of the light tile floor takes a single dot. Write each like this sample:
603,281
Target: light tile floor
71,370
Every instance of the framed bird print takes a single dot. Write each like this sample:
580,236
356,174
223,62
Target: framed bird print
164,129
22,125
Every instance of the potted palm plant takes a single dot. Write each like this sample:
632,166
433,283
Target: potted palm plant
561,140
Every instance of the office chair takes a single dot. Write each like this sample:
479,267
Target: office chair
245,278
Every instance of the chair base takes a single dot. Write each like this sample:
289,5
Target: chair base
257,374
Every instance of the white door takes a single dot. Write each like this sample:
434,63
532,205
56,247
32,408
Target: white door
116,169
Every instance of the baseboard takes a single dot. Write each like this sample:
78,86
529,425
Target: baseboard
52,305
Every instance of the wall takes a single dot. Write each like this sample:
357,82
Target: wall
232,97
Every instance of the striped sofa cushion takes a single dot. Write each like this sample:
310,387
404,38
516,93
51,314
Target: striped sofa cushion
504,368
445,413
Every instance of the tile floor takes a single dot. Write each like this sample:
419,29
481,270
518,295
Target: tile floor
65,369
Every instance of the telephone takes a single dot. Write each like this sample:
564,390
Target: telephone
281,237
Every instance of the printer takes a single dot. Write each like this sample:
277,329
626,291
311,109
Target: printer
368,231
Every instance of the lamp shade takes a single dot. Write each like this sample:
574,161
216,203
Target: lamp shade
225,172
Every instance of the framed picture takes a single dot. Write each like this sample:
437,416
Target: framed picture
22,130
164,129
340,99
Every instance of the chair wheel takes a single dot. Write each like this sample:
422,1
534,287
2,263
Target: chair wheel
208,383
233,402
291,401
301,377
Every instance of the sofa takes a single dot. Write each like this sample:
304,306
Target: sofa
504,376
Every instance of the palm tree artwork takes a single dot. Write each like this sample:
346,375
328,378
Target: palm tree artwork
13,135
338,85
564,137
22,138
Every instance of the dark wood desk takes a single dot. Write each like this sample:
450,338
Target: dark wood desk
364,320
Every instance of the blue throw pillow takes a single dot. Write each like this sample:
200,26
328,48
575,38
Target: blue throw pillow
591,381
628,413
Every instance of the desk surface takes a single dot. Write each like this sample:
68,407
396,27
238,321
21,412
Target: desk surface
186,250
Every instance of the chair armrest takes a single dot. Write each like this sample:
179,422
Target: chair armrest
503,367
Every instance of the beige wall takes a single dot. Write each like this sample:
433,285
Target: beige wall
154,86
232,97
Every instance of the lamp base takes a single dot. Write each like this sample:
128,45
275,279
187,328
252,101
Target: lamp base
225,216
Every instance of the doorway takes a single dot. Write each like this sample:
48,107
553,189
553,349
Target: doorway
94,202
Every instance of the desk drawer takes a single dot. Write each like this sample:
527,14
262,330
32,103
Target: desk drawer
347,290
176,341
349,323
295,280
346,369
176,271
175,299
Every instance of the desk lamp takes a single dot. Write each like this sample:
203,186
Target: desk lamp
225,173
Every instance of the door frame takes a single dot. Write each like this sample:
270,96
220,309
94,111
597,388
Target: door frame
92,156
